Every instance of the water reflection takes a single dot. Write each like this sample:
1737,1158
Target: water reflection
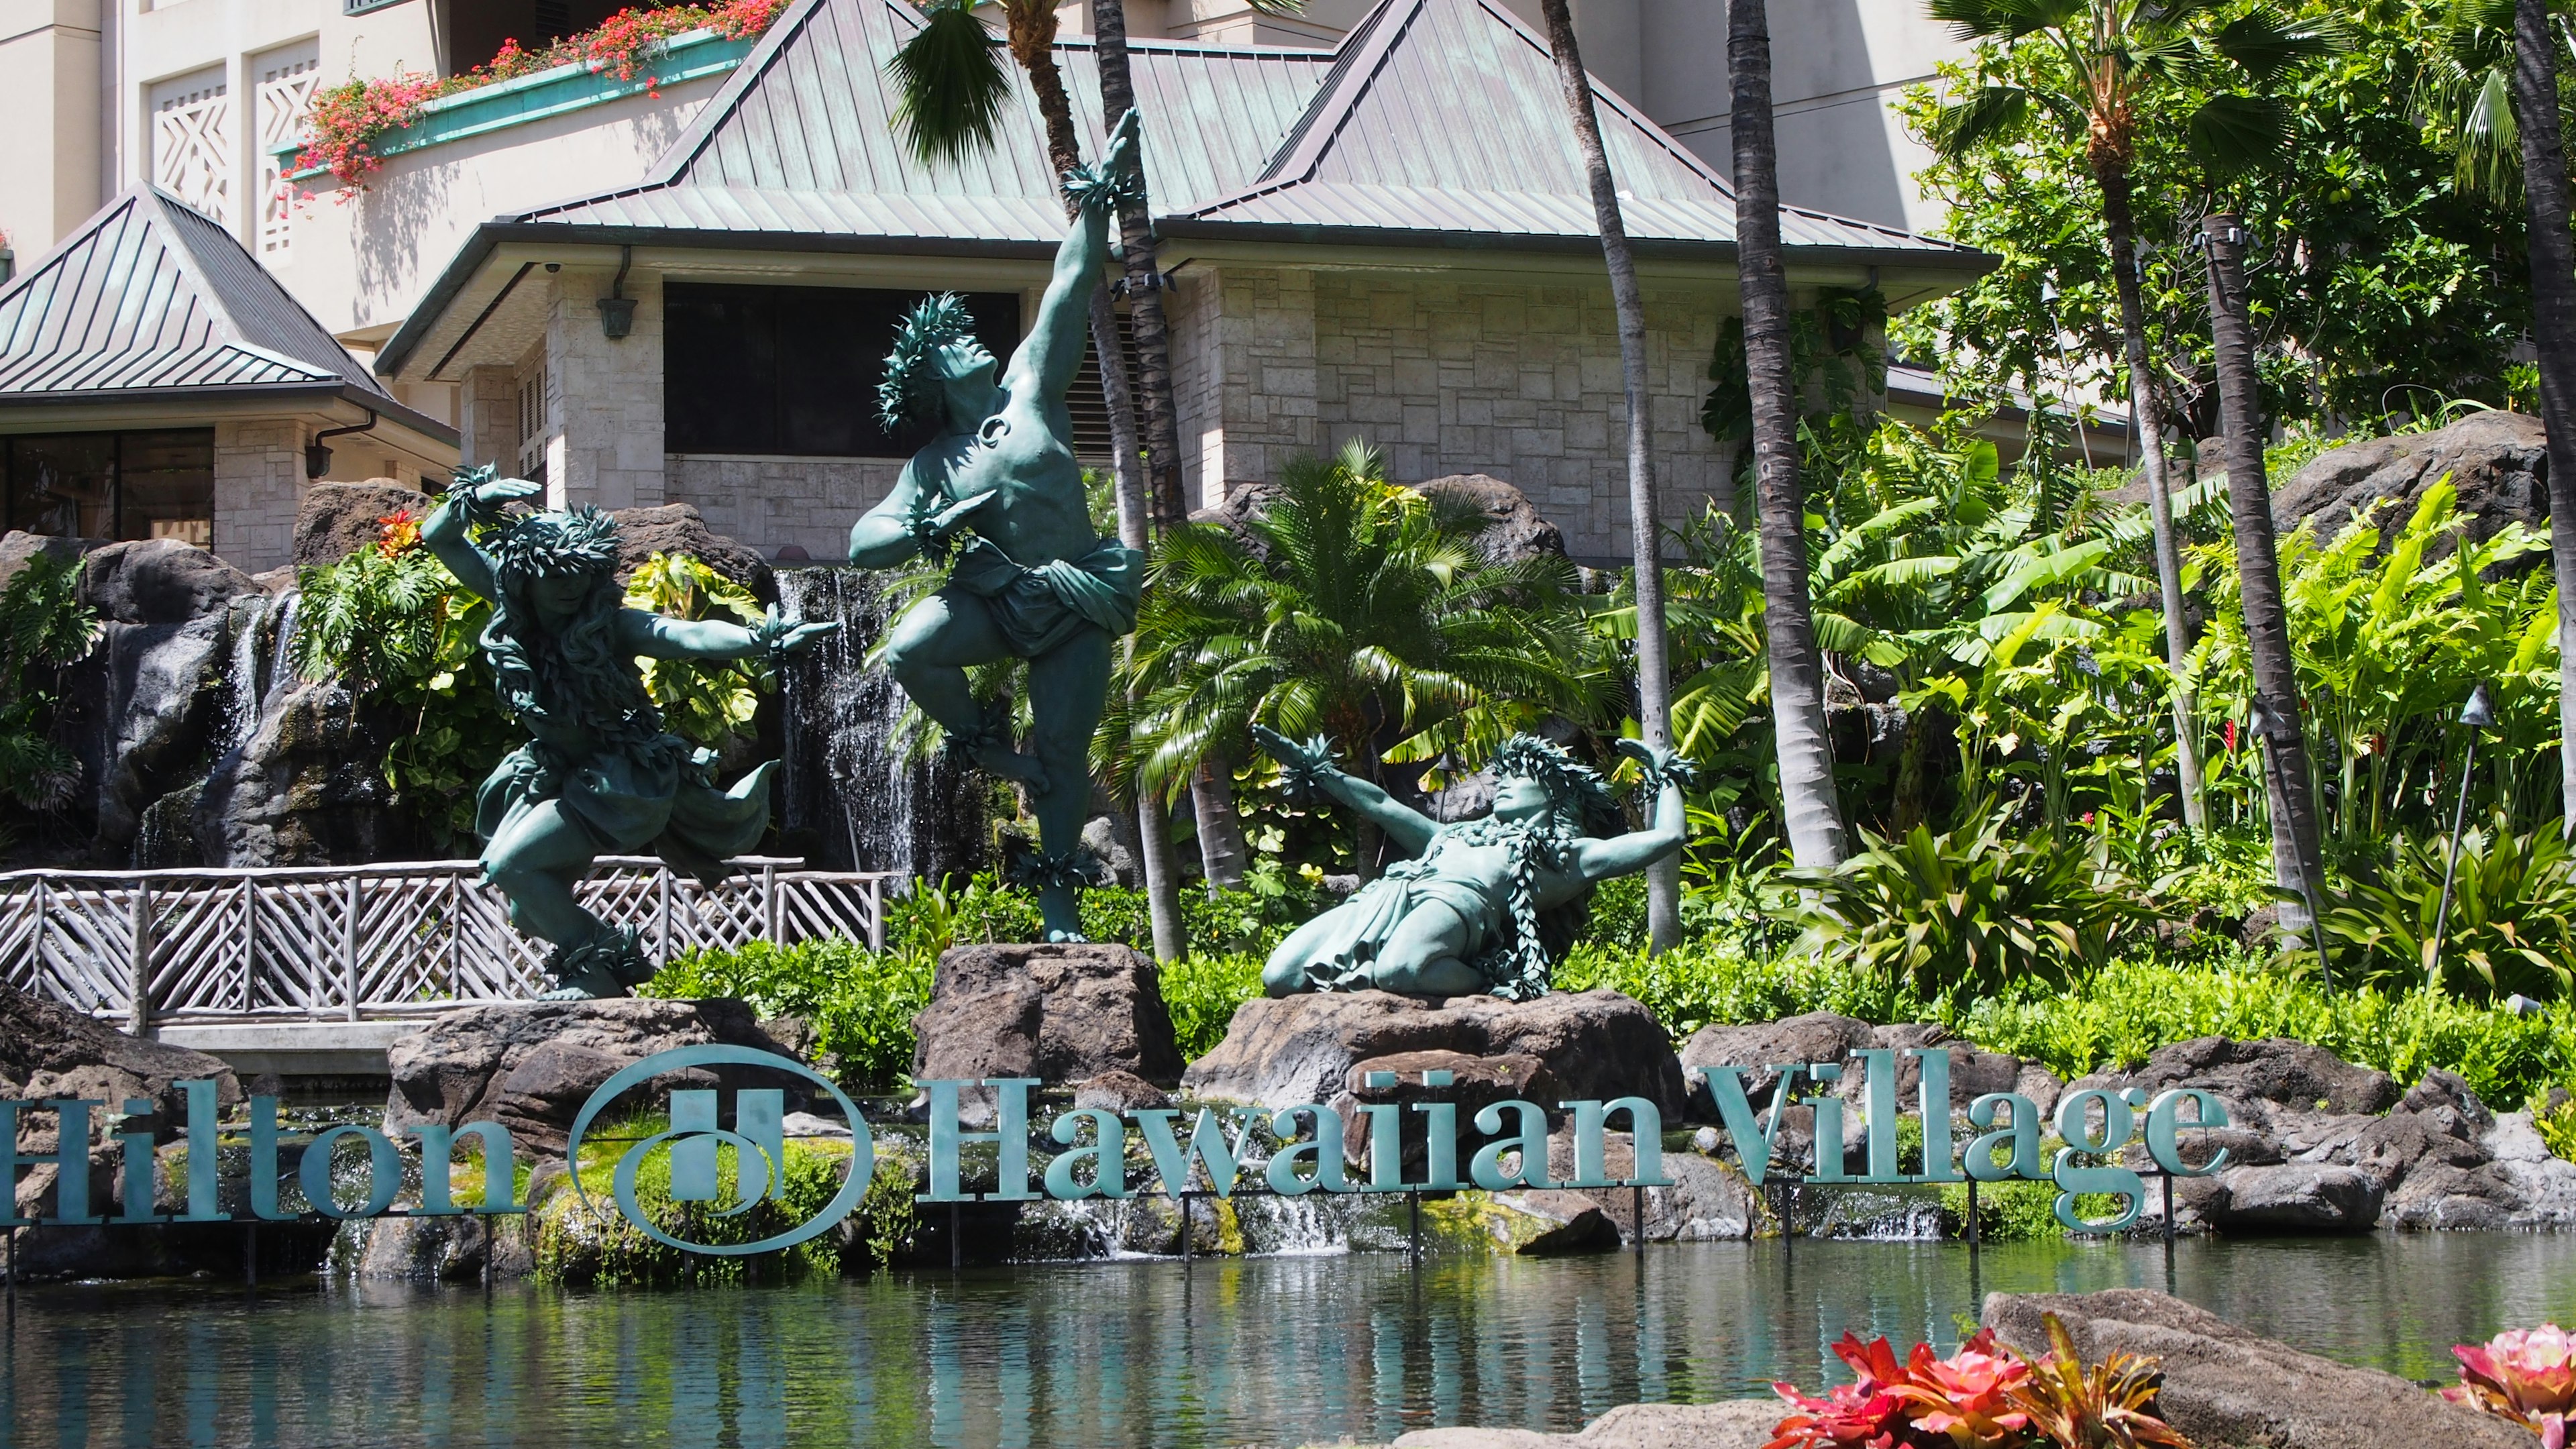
1275,1351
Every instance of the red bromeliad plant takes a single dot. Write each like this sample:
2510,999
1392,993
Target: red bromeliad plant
397,532
1985,1396
347,120
2528,1376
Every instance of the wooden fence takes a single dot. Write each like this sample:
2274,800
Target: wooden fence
350,942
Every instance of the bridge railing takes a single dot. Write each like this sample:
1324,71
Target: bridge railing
352,942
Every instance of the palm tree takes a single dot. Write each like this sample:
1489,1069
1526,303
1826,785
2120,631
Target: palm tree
2096,62
2494,88
1809,811
1358,610
1645,518
952,89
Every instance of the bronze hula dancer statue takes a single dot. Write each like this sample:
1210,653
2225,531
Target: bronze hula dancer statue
1484,906
601,775
1032,580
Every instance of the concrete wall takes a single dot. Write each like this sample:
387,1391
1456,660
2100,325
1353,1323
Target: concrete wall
49,102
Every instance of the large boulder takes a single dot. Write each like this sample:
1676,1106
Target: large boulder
2296,1197
531,1065
2225,1388
335,520
1816,1037
50,1051
680,528
1734,1424
18,546
307,788
1513,529
2258,1079
160,581
1060,1013
2498,461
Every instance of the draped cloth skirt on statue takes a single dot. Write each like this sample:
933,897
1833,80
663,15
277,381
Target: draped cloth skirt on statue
629,797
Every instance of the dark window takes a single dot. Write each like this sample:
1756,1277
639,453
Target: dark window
793,370
114,485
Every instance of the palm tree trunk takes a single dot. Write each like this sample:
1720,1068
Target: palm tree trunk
1144,284
1221,849
1032,29
1645,518
1808,806
2267,630
2119,220
2553,326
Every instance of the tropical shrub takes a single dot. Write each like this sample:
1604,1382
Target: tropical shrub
2512,925
707,702
1202,992
1966,913
43,626
2525,1375
860,1004
2110,1405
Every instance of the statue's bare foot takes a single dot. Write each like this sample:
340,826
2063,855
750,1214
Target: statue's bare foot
1010,764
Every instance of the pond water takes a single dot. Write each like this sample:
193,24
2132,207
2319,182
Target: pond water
1274,1351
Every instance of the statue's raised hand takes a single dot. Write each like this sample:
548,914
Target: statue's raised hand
1122,144
1303,768
495,492
784,636
1658,766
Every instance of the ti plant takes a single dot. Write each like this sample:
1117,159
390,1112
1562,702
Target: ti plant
43,626
1985,1396
2525,1375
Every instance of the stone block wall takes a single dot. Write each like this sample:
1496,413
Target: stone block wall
772,502
1520,380
605,396
487,421
259,483
1517,377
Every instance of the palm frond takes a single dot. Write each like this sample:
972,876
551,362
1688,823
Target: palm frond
950,84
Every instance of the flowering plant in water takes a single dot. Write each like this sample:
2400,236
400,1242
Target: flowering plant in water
1985,1396
2526,1375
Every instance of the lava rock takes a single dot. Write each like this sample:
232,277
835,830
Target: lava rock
1118,1091
680,528
1289,1050
1059,1013
1475,1083
1735,1424
438,1250
336,520
1818,1036
2498,461
2296,1197
1707,1200
307,788
531,1065
17,546
2225,1386
159,581
2255,1077
51,1051
1549,1222
1514,532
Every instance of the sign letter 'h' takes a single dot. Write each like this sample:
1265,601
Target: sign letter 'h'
70,1158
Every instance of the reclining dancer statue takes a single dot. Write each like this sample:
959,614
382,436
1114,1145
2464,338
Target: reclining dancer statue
601,776
1033,580
1485,904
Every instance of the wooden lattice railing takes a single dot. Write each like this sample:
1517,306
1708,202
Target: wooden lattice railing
349,942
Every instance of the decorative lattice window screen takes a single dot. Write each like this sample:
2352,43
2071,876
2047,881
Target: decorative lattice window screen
286,81
192,142
532,422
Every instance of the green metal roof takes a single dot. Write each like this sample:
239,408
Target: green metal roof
1434,123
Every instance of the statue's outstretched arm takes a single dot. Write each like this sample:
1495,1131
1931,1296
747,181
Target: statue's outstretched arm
1311,764
476,496
1666,774
1051,354
658,636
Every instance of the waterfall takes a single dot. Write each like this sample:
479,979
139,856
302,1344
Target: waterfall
244,654
851,795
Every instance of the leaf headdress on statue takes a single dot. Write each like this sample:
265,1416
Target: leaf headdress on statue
910,390
1583,802
571,674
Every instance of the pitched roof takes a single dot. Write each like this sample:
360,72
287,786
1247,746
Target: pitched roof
802,138
150,299
1435,122
1433,118
1446,117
